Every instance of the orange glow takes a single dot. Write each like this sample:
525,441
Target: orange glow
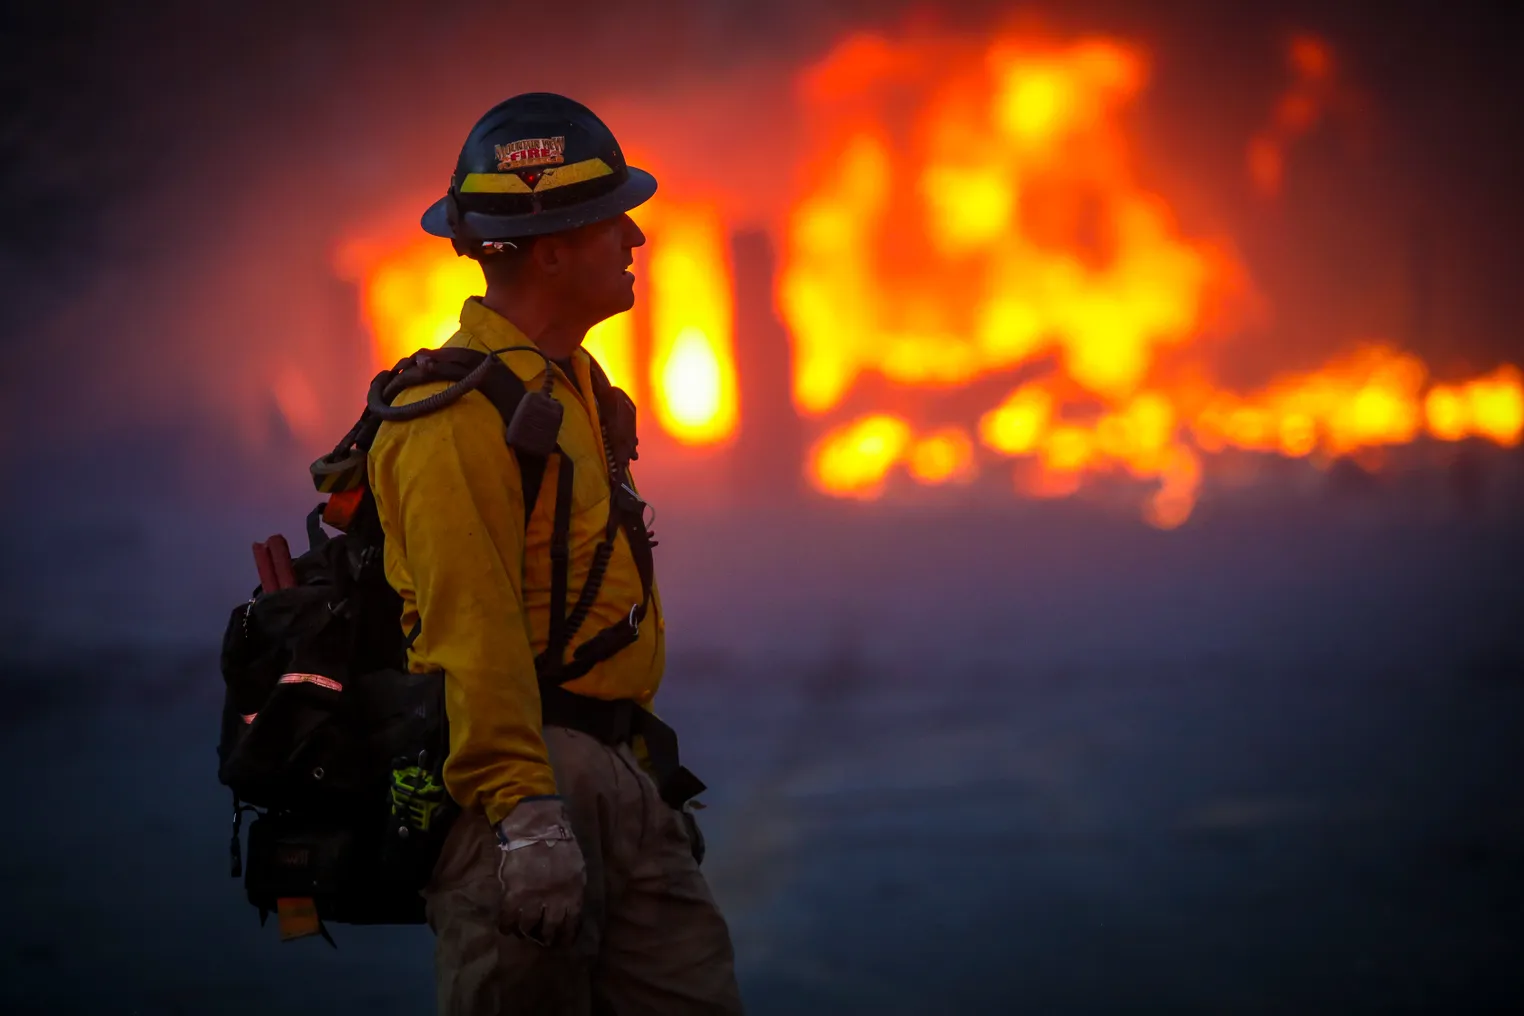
1368,398
966,209
1026,194
853,460
942,457
411,293
1014,427
1490,407
1295,113
612,343
692,326
1004,221
1039,238
298,404
1044,236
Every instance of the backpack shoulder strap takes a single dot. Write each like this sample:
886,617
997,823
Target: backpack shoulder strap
502,388
601,383
616,410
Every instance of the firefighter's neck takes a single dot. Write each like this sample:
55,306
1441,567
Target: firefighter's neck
557,330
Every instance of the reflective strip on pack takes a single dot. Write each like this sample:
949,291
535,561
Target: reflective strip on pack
248,717
317,679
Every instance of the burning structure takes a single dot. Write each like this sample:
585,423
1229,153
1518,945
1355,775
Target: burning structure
977,281
1172,746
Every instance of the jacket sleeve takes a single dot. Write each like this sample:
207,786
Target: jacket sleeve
451,502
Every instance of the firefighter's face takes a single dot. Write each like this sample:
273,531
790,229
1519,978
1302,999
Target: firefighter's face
588,267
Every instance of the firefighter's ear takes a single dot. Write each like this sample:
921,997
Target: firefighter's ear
549,255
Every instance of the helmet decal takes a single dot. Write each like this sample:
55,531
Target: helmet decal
531,152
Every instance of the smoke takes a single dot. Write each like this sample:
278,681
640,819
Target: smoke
1313,94
175,181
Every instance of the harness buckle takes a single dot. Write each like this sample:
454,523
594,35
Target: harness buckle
630,502
634,622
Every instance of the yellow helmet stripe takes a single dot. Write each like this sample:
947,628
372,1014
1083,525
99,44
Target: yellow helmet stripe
576,172
493,183
551,178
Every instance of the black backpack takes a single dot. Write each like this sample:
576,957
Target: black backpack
328,739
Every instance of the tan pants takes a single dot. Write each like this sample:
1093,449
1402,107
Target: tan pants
652,940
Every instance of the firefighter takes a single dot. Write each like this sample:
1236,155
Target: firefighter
571,881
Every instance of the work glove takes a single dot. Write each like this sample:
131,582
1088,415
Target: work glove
541,871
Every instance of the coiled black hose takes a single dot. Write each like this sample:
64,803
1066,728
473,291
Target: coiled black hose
595,573
386,387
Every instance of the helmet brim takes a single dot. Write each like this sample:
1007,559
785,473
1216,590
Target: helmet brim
636,190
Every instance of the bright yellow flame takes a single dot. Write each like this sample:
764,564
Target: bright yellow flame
1497,406
1016,425
612,343
411,294
1008,222
1447,413
1067,449
853,460
995,217
1034,103
692,325
1491,407
1035,236
1139,435
967,208
690,381
830,311
1299,435
1366,399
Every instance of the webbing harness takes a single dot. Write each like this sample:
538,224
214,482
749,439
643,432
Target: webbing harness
615,721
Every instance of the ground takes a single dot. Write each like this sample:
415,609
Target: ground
1041,759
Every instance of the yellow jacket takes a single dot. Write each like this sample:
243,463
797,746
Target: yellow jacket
448,490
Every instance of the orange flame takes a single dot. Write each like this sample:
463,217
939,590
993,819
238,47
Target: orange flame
943,456
412,292
692,326
968,209
1020,227
1006,223
612,343
1490,407
854,461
